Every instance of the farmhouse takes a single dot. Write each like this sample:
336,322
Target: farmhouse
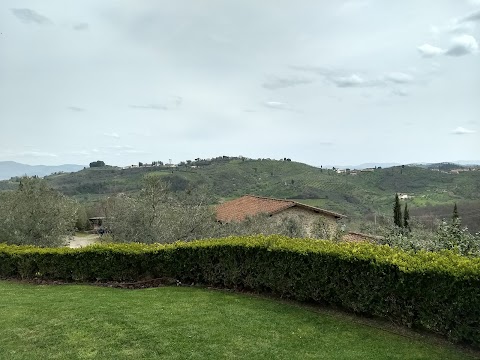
278,209
404,196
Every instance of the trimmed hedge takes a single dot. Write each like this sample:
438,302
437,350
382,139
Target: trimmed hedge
436,291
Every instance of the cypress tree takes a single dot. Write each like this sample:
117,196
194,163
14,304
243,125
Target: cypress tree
456,221
397,212
455,213
406,218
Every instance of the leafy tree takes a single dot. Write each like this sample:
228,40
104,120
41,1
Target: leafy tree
81,222
36,215
452,236
176,182
397,212
97,163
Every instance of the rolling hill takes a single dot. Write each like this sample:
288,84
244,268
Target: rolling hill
358,194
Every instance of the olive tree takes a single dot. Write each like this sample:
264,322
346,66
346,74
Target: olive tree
36,215
160,215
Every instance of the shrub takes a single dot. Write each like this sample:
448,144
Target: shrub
435,291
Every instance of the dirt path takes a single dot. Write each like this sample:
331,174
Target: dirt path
81,241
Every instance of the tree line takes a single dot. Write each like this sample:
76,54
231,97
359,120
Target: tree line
164,212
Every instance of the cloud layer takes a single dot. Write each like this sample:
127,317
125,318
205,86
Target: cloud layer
115,72
29,16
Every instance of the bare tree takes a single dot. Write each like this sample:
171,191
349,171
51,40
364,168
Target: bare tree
159,215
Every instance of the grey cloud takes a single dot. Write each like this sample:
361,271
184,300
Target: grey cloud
399,78
356,81
345,78
29,16
463,45
474,16
149,107
352,80
457,50
76,108
170,104
400,92
81,26
461,27
275,83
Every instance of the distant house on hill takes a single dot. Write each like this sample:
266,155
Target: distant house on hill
250,206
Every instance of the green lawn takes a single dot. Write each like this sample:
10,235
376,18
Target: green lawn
87,322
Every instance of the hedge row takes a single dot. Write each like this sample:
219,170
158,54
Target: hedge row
435,291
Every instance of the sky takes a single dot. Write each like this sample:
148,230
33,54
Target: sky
337,82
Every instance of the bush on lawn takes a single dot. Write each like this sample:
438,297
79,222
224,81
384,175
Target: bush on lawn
435,291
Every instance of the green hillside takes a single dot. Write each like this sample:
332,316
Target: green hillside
355,195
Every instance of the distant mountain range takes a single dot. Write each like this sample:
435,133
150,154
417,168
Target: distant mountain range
10,169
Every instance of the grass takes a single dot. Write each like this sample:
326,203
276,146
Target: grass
87,322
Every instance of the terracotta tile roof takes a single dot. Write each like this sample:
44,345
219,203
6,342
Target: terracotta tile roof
250,205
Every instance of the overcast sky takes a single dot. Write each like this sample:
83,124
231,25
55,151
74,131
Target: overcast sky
337,82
